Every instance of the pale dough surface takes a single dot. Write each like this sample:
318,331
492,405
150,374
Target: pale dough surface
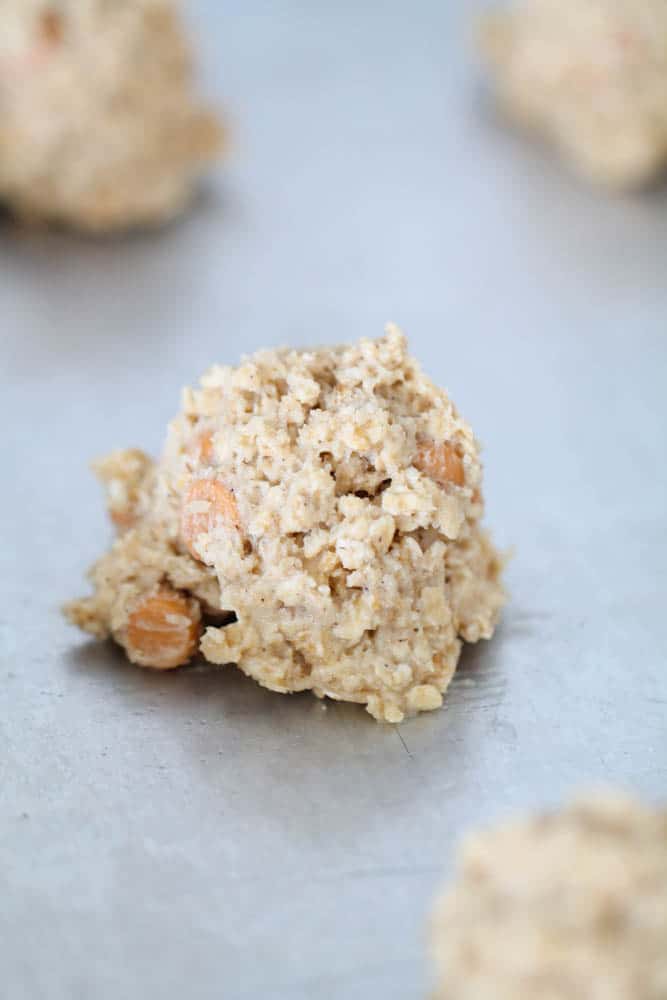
559,907
589,75
99,125
329,498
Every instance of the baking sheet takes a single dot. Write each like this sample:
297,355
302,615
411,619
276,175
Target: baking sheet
192,834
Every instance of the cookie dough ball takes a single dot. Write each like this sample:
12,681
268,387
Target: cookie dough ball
590,76
99,128
323,509
559,907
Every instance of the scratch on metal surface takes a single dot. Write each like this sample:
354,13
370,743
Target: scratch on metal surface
337,876
405,745
358,973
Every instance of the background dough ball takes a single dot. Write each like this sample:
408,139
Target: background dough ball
99,126
589,75
563,906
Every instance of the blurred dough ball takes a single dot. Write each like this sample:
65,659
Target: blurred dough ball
560,907
99,126
590,76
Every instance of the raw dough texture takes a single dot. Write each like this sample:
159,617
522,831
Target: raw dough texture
590,75
99,128
571,906
331,499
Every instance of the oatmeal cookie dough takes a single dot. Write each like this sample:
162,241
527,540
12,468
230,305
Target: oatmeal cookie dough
590,76
317,515
99,126
559,907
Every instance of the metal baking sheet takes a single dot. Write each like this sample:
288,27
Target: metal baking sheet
194,835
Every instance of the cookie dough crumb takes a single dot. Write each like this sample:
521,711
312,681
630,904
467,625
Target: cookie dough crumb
100,127
125,476
590,76
424,698
563,906
322,509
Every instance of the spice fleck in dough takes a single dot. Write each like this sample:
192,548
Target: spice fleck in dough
591,76
99,127
331,501
559,907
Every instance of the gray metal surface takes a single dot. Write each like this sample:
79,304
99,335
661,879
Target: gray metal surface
191,834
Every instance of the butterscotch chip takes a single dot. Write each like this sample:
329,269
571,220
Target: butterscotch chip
588,75
207,505
101,128
564,906
162,630
202,449
52,26
440,461
332,539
